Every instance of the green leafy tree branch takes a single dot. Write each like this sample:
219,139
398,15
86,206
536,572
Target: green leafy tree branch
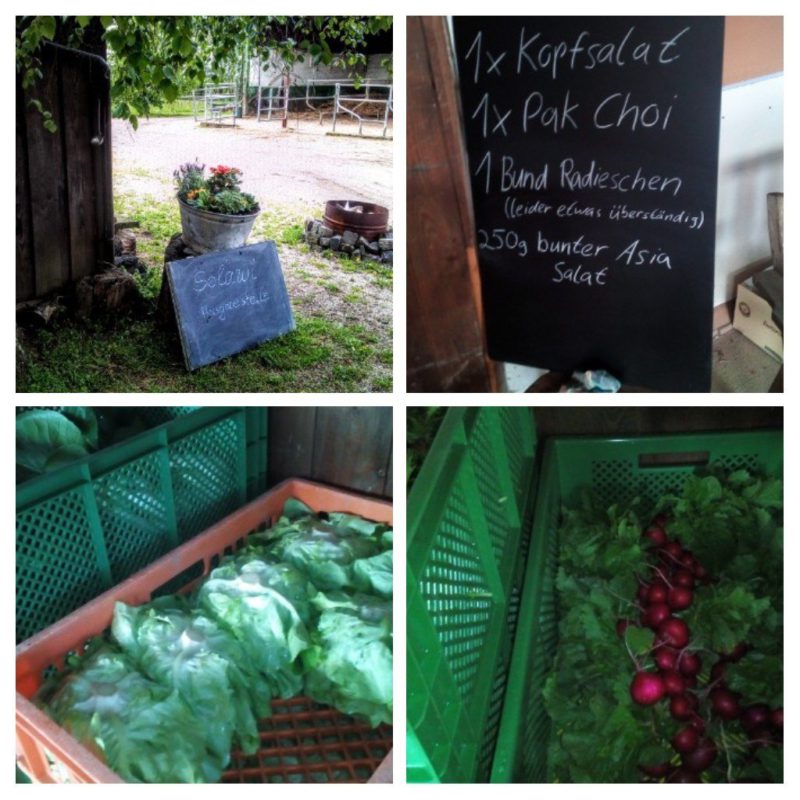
156,59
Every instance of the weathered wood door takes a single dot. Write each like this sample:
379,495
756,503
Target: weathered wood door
65,216
347,447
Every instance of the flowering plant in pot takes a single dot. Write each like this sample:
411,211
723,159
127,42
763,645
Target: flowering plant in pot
215,213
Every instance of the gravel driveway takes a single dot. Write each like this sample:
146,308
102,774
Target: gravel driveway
288,168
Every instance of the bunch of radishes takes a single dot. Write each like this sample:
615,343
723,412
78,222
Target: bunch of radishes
663,594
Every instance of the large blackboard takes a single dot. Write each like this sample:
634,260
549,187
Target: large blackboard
229,301
592,145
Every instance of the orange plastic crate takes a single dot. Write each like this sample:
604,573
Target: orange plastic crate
302,742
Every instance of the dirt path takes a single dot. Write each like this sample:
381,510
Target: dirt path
286,168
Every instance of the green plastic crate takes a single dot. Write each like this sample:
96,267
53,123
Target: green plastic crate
466,520
87,526
618,469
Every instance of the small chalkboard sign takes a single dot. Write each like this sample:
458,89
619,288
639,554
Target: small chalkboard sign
228,301
593,149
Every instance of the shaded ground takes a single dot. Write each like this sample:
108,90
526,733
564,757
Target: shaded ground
343,307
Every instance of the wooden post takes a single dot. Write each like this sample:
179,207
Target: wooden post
446,340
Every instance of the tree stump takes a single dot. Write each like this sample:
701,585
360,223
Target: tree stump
124,243
113,291
176,250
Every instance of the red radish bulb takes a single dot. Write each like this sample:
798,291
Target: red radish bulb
698,723
674,632
684,578
657,593
702,757
673,682
679,598
647,688
689,663
724,703
672,552
656,535
683,775
682,706
654,615
700,572
665,658
718,672
686,739
641,594
776,718
737,654
656,770
755,716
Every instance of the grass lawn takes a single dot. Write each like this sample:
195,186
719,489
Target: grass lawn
340,344
178,108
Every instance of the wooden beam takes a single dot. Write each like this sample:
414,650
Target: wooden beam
446,340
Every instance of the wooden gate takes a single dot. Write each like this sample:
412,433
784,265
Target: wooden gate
65,215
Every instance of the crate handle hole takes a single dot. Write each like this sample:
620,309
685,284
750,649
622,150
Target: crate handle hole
699,458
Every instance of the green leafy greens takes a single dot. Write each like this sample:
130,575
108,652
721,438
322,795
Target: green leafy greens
144,730
350,664
182,648
731,523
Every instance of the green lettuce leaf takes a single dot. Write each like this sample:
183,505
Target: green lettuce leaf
47,439
186,651
375,575
350,664
144,731
264,606
321,553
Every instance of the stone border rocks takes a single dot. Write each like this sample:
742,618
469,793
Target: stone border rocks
349,244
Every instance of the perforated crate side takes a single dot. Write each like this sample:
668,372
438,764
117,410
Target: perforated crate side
60,563
496,482
209,474
257,443
94,522
135,513
616,471
464,536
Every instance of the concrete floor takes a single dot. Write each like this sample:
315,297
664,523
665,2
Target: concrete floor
738,366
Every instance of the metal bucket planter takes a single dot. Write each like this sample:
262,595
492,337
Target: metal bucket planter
206,231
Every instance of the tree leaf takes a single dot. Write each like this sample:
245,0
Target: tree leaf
47,27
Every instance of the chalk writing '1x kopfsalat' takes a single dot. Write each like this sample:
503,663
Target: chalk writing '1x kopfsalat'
535,55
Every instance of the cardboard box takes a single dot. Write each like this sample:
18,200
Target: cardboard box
753,318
